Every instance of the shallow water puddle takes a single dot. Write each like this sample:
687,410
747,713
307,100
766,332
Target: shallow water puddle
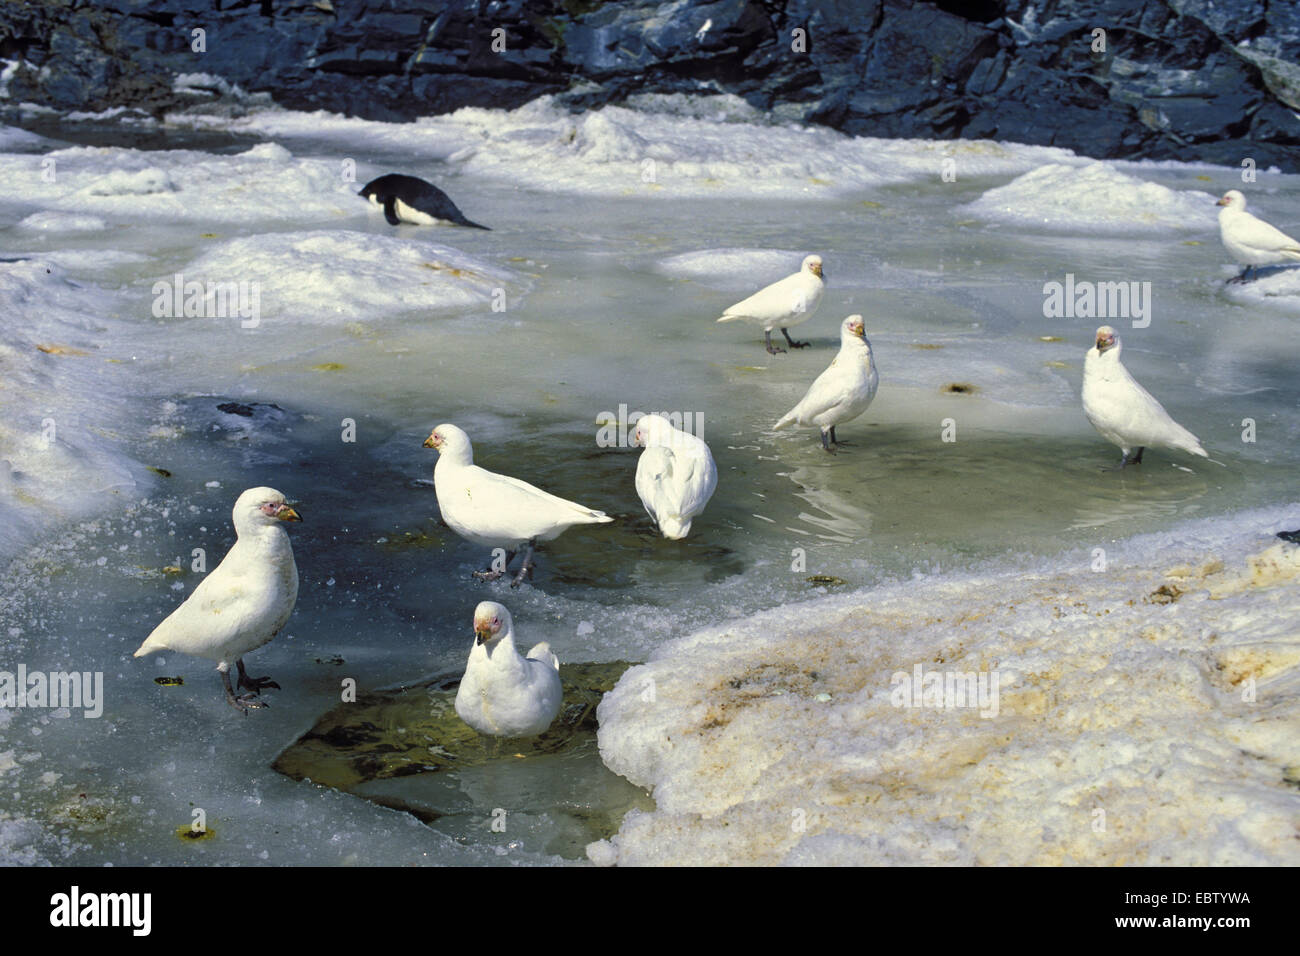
406,749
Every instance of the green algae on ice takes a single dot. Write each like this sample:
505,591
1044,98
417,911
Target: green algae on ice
189,833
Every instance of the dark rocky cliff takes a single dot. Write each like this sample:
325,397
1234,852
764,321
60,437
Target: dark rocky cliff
1183,79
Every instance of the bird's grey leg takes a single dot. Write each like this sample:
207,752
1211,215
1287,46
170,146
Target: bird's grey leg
826,442
1243,275
490,573
255,684
1132,458
771,349
793,343
240,704
526,568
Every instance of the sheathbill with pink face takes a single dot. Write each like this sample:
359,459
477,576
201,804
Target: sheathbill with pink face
243,602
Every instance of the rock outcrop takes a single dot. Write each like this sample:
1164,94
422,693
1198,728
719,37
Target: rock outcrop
1213,80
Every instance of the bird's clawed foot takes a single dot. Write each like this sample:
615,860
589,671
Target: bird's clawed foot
829,444
772,349
496,568
525,569
243,702
793,343
254,684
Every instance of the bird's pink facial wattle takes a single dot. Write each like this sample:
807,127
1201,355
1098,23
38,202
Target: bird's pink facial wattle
434,440
280,510
486,628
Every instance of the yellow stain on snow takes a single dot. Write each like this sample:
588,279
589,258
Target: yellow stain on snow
443,267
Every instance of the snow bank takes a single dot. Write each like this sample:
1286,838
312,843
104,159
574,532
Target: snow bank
342,276
1094,199
62,434
264,183
1144,714
693,150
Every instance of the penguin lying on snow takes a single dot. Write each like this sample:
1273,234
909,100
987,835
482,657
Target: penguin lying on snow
408,199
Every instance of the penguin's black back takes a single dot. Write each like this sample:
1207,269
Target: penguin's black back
418,194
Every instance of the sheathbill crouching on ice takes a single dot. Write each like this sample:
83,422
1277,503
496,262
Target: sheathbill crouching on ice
503,694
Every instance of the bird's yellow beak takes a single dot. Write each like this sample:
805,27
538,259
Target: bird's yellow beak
433,441
1222,202
483,632
288,514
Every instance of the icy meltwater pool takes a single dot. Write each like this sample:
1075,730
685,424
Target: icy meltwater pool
617,238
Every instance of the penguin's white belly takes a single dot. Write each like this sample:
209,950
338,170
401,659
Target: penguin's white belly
411,214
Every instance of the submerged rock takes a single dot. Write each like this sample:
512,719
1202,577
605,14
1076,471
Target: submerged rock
415,729
406,749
